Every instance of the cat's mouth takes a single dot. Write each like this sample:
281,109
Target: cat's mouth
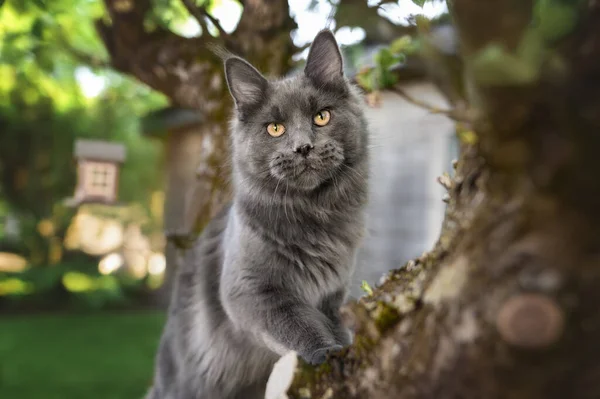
307,167
308,173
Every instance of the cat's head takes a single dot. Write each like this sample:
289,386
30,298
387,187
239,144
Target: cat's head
300,131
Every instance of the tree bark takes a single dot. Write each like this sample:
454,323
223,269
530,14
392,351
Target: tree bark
506,304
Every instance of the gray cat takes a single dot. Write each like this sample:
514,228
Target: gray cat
270,272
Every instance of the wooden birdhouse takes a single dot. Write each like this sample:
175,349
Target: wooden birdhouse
98,164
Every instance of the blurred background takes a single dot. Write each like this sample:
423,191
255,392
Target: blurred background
113,152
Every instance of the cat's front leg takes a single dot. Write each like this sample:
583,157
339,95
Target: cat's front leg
330,306
282,322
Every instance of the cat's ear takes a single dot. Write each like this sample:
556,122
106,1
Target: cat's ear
246,84
324,65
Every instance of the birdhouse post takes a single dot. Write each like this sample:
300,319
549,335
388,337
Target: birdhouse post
181,132
98,164
184,140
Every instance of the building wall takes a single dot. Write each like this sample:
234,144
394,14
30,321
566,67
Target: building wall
410,147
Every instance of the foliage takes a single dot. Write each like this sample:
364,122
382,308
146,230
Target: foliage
366,288
76,285
551,20
386,60
93,356
46,47
172,15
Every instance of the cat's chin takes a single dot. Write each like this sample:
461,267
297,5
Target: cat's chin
307,180
307,183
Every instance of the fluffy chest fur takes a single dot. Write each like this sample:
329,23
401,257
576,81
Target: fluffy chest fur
304,254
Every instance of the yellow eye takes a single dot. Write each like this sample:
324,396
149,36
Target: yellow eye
275,129
322,118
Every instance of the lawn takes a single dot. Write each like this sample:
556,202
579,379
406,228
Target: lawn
107,356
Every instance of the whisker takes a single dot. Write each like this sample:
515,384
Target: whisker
285,202
275,193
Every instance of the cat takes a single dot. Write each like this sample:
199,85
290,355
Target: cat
271,270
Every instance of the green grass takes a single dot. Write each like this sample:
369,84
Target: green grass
78,356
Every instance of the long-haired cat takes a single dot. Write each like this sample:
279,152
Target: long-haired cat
269,273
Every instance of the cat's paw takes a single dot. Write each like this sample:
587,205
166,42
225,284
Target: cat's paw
344,336
320,355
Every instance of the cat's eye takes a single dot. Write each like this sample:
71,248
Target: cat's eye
275,129
322,118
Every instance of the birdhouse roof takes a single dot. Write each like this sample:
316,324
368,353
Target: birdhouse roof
100,150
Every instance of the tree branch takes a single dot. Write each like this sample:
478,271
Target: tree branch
303,47
200,13
194,12
454,114
87,59
378,29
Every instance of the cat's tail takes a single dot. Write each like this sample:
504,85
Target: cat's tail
152,394
155,393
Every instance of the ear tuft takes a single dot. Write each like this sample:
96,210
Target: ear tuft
324,64
246,84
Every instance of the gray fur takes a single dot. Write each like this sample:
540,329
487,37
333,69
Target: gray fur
269,273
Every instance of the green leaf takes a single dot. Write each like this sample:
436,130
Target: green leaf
531,47
40,3
386,78
401,44
366,80
366,288
555,19
37,29
494,66
385,58
420,3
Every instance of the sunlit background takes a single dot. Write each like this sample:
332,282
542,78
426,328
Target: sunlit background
85,171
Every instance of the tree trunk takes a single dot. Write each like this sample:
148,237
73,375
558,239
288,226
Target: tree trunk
506,304
191,76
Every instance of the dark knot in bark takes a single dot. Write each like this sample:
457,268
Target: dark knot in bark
531,321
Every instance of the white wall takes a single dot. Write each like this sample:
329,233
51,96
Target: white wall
410,148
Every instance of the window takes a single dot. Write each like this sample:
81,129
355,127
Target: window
100,179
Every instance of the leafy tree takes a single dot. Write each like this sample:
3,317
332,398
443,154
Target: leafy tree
43,110
505,305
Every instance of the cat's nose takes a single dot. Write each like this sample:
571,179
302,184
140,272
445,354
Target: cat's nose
304,149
